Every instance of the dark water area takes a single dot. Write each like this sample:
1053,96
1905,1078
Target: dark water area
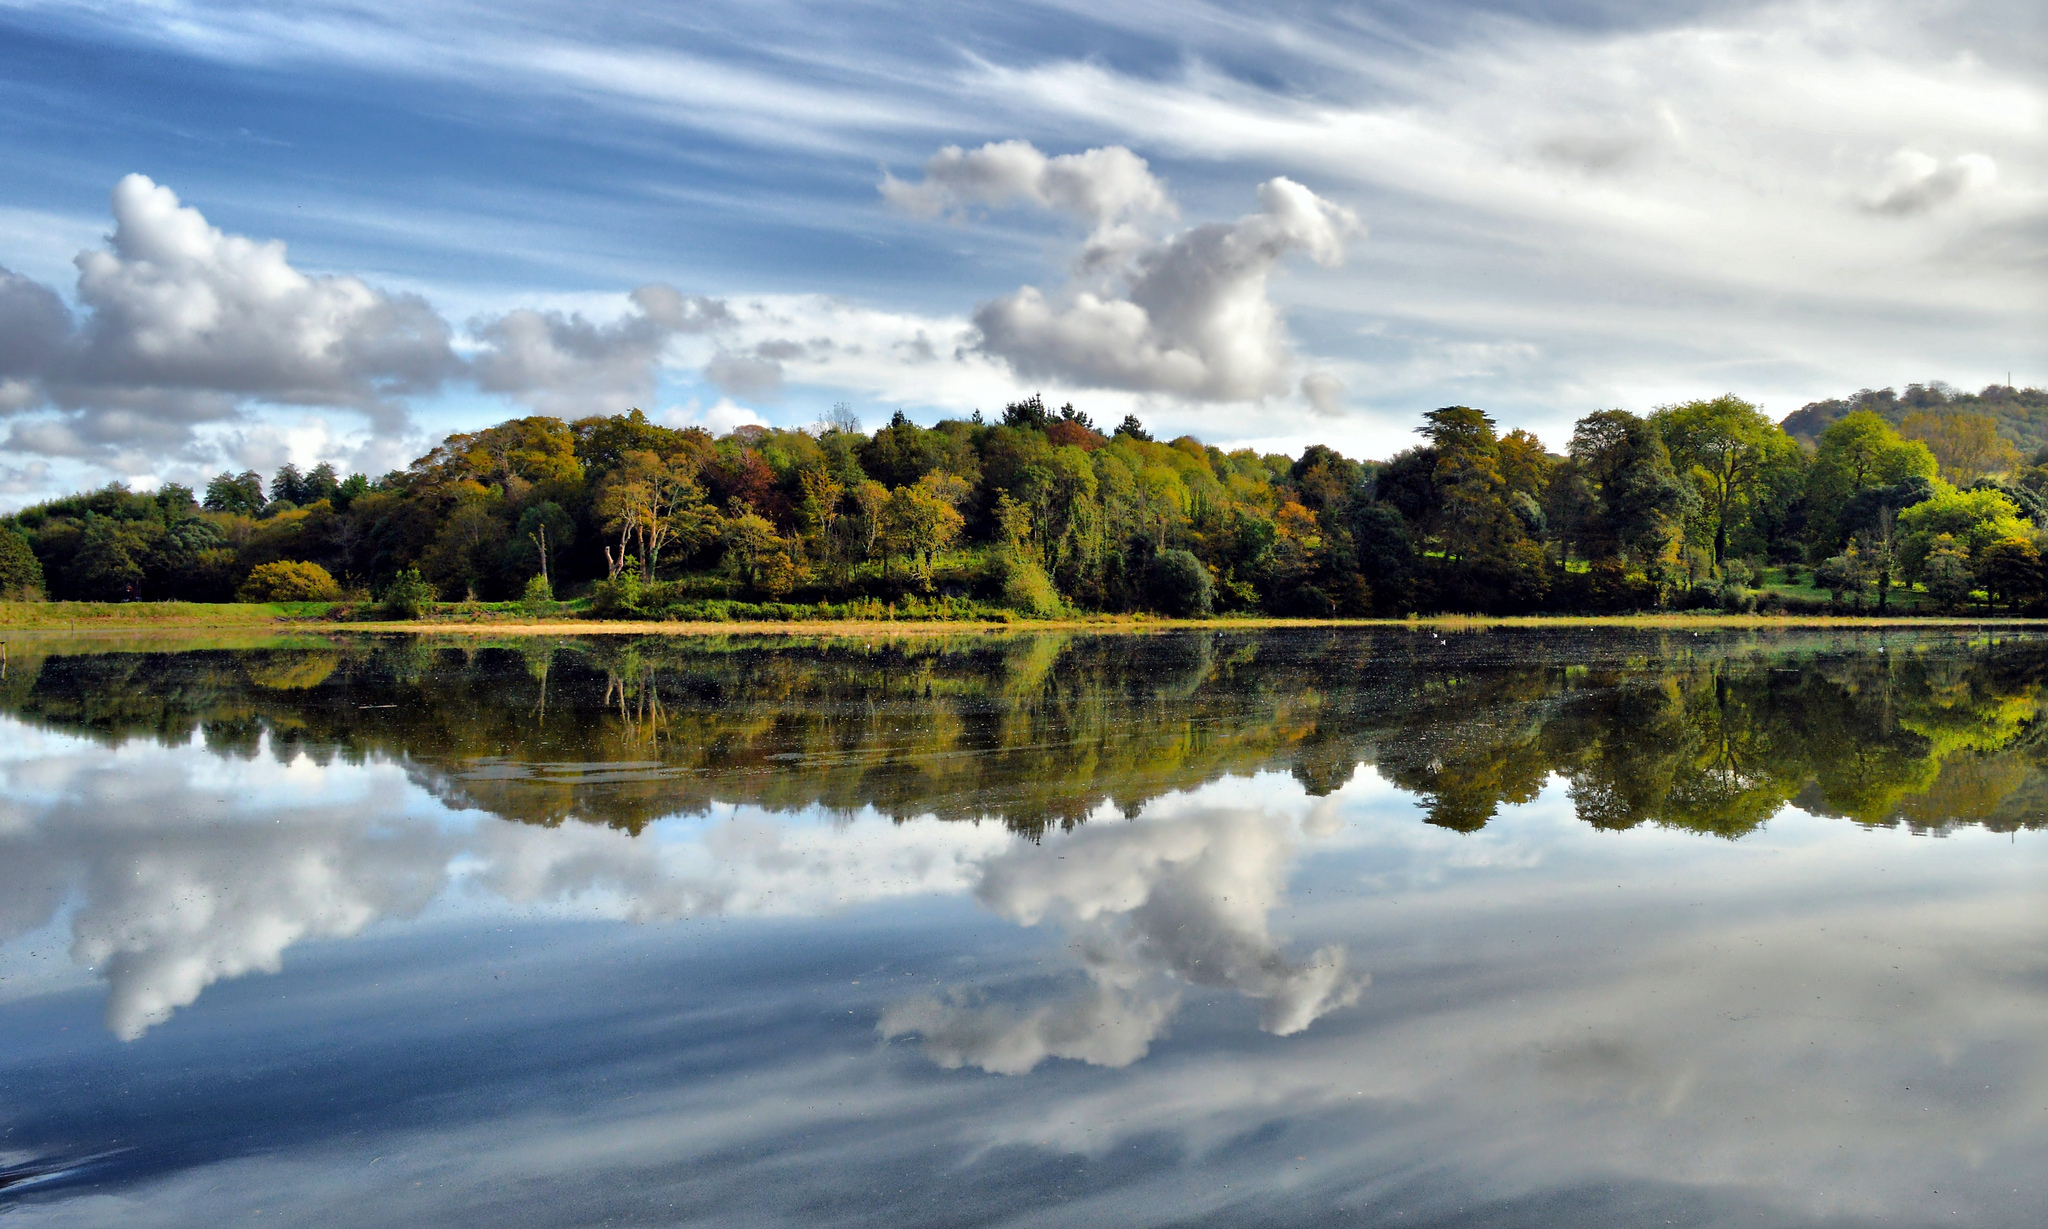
1301,927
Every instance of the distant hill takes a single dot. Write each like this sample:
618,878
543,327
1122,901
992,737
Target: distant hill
2021,413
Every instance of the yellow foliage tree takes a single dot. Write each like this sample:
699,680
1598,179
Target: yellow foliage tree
288,581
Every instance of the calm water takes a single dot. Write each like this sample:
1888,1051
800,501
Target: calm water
1316,928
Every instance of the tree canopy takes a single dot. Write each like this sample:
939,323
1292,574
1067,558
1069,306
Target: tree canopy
1037,510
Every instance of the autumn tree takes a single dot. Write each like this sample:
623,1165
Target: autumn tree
653,502
1965,446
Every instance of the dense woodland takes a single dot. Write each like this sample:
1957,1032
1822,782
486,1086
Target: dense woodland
1042,511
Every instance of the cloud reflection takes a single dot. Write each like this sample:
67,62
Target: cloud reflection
187,870
1148,907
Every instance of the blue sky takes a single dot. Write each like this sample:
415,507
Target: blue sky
1539,209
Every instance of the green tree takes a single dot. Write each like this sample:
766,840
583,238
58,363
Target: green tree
21,574
2009,571
919,523
241,493
1633,496
1946,573
463,559
1971,520
408,596
1180,584
1857,452
1473,520
1723,447
1966,446
543,532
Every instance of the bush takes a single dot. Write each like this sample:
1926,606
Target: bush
621,597
539,597
1737,600
1028,590
1180,585
408,596
1699,597
288,581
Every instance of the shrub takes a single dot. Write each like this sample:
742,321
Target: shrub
1180,585
1737,600
288,581
1699,597
539,597
408,596
618,598
1028,590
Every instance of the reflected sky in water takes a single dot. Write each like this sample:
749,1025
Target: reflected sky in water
1306,929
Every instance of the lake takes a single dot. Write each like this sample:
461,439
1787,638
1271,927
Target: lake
1603,926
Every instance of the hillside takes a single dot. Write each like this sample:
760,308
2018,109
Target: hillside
2021,413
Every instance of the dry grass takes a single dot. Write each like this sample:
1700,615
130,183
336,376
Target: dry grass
64,616
167,617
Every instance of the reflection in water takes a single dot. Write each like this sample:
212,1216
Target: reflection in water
189,870
1146,906
1506,1014
1705,733
193,869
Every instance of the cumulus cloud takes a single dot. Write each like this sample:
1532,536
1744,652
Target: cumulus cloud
1150,907
1111,189
566,364
186,327
720,417
1916,183
1187,315
186,324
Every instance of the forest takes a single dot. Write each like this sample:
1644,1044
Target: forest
1038,512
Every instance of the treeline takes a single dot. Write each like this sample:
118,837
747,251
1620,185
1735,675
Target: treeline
1042,511
2018,416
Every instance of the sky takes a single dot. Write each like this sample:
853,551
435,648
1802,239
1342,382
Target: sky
234,235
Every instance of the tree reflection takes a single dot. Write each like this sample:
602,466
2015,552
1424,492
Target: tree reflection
1707,733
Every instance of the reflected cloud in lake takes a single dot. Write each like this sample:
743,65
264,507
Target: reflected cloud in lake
1145,907
1214,927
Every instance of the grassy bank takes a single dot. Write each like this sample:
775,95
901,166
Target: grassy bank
67,616
130,618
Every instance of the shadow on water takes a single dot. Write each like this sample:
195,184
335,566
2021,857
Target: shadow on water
1711,733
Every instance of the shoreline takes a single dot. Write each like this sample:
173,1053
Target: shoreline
150,619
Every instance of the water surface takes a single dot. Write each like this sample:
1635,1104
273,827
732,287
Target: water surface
1295,927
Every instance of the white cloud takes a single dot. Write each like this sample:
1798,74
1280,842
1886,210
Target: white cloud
1111,189
719,418
1191,314
565,364
188,325
1917,183
178,304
